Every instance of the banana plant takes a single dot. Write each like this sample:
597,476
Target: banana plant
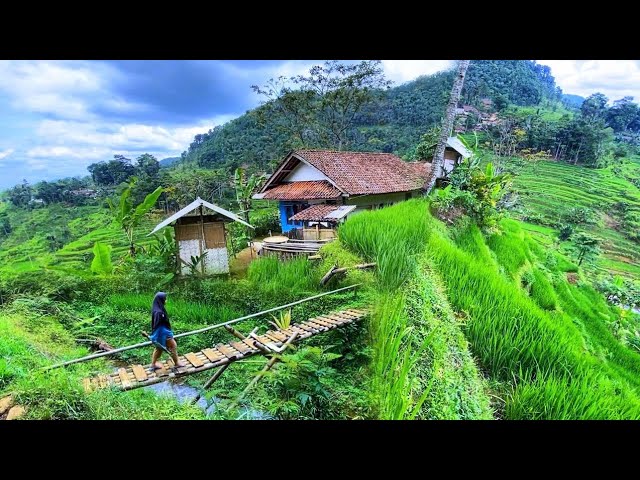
101,263
195,263
129,216
244,190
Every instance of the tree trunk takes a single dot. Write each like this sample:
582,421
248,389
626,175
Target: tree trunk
447,123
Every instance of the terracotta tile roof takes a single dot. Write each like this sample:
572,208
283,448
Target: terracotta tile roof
302,191
314,213
359,173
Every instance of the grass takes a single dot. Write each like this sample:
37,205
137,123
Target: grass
542,291
276,276
391,237
421,365
544,355
548,344
29,341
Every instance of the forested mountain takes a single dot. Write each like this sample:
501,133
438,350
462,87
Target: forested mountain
165,162
572,101
394,123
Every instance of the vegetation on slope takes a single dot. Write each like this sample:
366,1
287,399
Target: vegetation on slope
422,367
605,202
551,353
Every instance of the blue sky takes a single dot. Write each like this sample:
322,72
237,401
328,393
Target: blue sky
57,117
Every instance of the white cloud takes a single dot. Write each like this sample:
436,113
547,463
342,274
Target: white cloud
401,71
65,89
614,78
67,147
59,137
6,153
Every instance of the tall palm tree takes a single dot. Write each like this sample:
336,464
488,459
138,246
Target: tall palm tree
447,122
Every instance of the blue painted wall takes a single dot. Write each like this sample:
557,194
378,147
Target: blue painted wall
286,211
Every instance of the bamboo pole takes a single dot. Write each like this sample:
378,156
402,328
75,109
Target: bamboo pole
335,271
202,244
205,329
221,370
237,334
210,382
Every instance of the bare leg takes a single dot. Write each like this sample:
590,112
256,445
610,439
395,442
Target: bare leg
172,346
155,357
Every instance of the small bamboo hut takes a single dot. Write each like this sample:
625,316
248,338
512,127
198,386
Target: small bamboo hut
201,234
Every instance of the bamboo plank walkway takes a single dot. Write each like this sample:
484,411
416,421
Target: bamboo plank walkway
137,376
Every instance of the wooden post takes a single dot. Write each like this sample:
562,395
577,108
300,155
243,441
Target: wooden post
267,367
318,231
210,382
202,244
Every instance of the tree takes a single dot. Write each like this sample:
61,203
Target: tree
20,195
622,114
501,102
595,106
447,122
128,216
586,245
186,185
427,146
113,172
244,190
324,107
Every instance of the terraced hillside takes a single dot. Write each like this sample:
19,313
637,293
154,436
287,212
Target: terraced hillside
547,344
63,237
547,189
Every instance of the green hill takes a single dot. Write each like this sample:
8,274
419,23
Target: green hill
393,124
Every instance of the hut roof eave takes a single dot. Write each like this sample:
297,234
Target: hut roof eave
192,206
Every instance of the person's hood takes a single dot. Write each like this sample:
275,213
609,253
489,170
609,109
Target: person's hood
158,303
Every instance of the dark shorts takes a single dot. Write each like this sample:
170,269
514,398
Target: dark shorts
161,334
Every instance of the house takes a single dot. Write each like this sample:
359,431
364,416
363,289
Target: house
201,234
84,192
454,153
318,189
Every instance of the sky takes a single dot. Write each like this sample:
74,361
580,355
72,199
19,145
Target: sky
57,117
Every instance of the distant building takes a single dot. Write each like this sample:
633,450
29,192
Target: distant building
318,189
201,233
84,192
454,153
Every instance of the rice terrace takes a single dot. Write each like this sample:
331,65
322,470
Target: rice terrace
371,240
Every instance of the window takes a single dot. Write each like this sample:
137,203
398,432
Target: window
291,210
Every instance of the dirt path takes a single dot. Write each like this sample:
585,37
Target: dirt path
10,411
238,266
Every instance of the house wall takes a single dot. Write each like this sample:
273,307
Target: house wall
304,172
451,154
310,233
216,261
286,209
214,243
451,159
367,202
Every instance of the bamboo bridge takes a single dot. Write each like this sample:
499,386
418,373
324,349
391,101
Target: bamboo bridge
222,355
